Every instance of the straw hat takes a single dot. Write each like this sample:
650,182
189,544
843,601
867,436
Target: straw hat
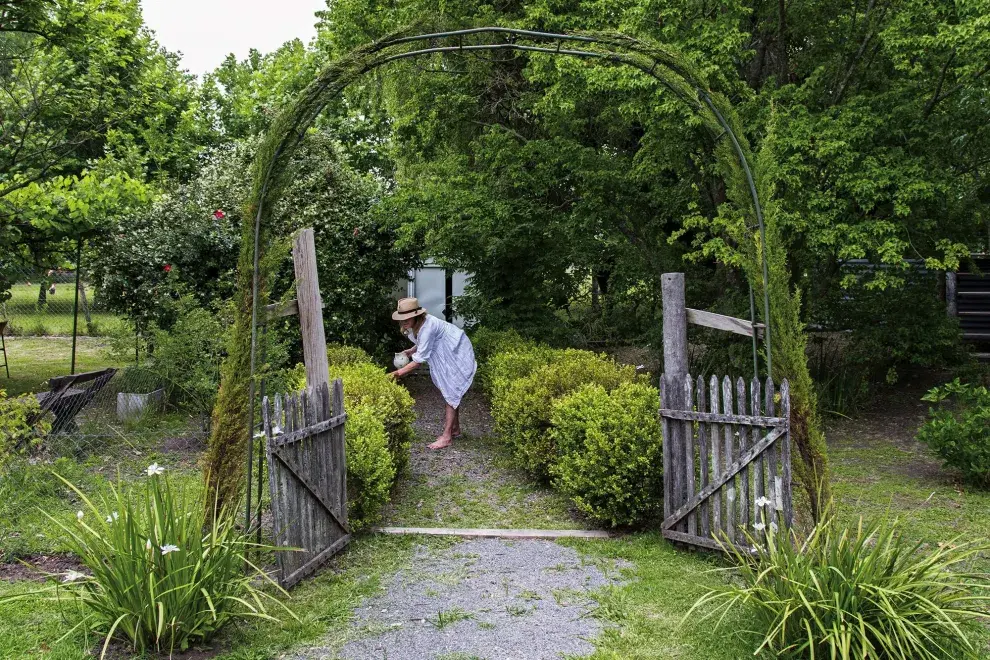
407,309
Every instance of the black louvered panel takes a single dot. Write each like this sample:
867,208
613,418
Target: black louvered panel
973,301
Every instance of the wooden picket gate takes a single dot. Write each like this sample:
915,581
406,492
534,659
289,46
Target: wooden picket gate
307,478
727,465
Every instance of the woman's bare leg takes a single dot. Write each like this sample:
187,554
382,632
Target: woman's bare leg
456,430
444,439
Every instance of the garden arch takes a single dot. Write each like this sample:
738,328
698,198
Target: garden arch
233,415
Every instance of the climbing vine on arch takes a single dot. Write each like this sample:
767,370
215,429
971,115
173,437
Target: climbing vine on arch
739,236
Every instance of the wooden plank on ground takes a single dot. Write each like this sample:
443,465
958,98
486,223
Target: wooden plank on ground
498,533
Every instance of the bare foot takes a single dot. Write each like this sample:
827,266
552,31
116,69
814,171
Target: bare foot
442,441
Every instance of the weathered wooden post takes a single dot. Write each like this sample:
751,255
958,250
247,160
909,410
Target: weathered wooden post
314,340
675,369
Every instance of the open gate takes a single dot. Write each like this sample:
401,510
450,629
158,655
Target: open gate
726,462
307,478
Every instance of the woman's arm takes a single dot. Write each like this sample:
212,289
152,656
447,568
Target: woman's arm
399,373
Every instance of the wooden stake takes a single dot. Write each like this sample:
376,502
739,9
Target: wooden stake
310,309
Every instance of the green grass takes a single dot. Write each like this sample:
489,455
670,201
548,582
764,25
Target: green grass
29,492
55,316
33,360
644,613
905,481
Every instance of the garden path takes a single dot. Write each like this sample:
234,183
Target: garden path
481,598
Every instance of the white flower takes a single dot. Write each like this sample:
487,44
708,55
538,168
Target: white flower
259,435
112,517
154,469
737,434
79,515
762,501
640,366
169,548
758,526
773,526
147,544
753,548
72,576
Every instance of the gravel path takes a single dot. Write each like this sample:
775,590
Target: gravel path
461,458
484,598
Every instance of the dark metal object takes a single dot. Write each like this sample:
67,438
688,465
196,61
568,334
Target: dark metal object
75,305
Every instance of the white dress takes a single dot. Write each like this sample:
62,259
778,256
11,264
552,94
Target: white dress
450,355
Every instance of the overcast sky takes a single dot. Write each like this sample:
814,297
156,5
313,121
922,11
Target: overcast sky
205,31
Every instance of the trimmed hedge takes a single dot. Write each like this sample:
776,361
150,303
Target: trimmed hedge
370,470
522,406
367,386
341,355
609,452
578,420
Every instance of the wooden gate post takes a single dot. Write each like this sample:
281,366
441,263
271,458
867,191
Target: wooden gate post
675,371
314,339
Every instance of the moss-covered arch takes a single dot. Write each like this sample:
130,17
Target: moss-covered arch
759,250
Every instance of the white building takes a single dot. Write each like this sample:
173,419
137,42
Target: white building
434,286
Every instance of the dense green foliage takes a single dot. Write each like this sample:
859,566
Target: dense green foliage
20,425
609,452
960,433
341,355
93,112
523,408
154,578
188,356
859,592
579,420
370,470
367,386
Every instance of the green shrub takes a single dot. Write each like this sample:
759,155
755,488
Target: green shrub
188,355
489,343
370,470
522,407
609,452
154,578
858,593
511,364
18,431
960,436
340,355
368,386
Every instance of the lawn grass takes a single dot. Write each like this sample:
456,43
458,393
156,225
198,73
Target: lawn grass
323,605
644,614
54,317
931,502
33,360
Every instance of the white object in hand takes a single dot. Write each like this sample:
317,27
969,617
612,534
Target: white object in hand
401,360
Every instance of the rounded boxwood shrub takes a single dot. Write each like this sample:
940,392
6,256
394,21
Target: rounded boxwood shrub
370,470
367,386
341,355
488,343
522,407
511,364
609,452
960,434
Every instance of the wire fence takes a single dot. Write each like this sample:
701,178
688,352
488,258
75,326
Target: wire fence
84,364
